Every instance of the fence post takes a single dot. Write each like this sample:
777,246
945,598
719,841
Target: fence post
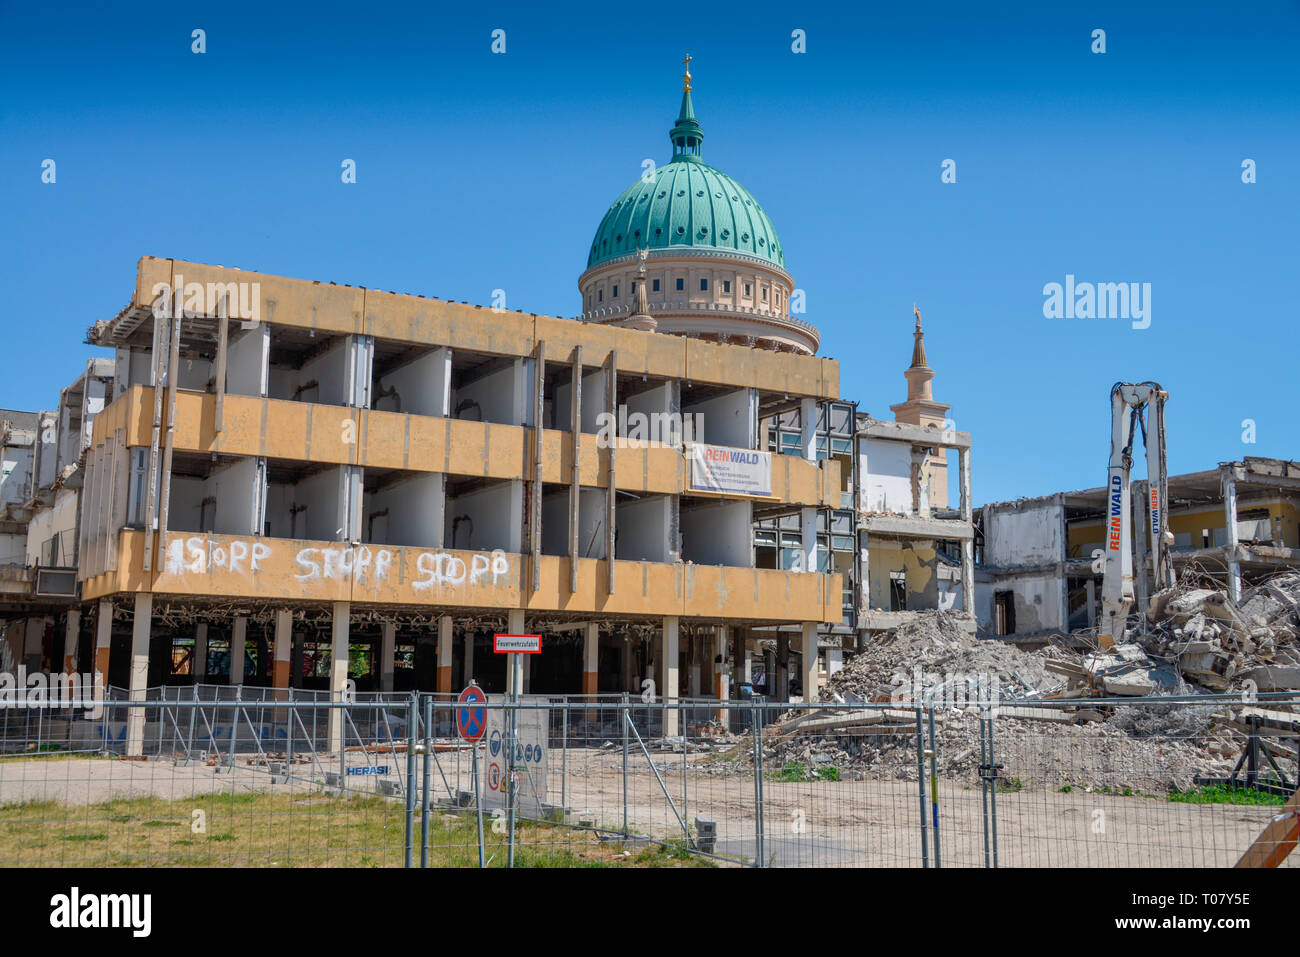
412,723
920,784
189,745
234,724
993,789
757,730
478,801
564,761
424,789
934,788
626,718
984,784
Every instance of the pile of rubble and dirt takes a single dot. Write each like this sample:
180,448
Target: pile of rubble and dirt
1191,641
1222,645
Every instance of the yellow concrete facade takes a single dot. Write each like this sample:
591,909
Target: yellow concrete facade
212,566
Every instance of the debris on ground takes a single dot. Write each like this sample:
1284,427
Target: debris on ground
1192,640
1222,645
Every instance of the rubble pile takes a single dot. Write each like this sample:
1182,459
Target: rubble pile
1192,641
1141,752
933,649
1221,645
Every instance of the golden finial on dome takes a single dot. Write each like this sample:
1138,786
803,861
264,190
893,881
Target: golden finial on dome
686,80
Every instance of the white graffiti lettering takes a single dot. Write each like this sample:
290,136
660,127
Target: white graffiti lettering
196,555
343,563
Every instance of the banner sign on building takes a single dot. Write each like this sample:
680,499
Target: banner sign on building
717,468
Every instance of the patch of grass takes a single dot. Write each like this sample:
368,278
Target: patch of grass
795,772
31,804
1010,785
1227,794
302,829
1066,788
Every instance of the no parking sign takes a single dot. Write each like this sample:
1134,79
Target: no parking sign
471,722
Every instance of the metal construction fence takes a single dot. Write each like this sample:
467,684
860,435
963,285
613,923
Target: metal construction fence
248,777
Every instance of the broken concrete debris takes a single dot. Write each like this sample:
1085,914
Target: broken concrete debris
1191,641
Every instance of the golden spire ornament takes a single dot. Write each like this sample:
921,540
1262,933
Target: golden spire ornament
686,79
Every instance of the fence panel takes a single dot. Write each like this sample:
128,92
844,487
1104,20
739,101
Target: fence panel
256,777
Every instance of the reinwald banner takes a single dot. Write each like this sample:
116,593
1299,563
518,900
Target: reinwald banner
716,468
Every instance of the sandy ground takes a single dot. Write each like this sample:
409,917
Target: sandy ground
863,822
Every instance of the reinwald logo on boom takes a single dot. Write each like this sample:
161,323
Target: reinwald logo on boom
64,690
1102,300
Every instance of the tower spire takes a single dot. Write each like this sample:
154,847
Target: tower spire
918,343
686,134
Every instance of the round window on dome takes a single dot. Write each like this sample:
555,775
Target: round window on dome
681,230
718,195
744,237
681,192
704,230
725,233
699,192
618,238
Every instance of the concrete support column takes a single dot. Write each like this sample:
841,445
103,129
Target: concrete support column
199,668
283,648
140,629
1230,518
808,412
295,662
469,656
103,637
238,637
590,659
338,670
718,666
782,689
808,540
387,650
694,679
811,674
71,639
629,659
668,674
967,544
443,684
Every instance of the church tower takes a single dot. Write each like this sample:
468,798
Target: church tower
921,409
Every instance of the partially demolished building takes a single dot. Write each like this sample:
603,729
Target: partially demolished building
1039,571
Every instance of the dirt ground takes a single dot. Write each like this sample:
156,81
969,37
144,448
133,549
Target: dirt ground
864,821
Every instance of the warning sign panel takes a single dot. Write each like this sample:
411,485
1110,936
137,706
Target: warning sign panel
530,764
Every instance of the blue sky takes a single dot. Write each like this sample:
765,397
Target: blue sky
479,171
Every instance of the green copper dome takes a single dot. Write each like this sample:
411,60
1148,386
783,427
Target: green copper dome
689,205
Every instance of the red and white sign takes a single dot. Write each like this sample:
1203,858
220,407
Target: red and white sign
517,644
